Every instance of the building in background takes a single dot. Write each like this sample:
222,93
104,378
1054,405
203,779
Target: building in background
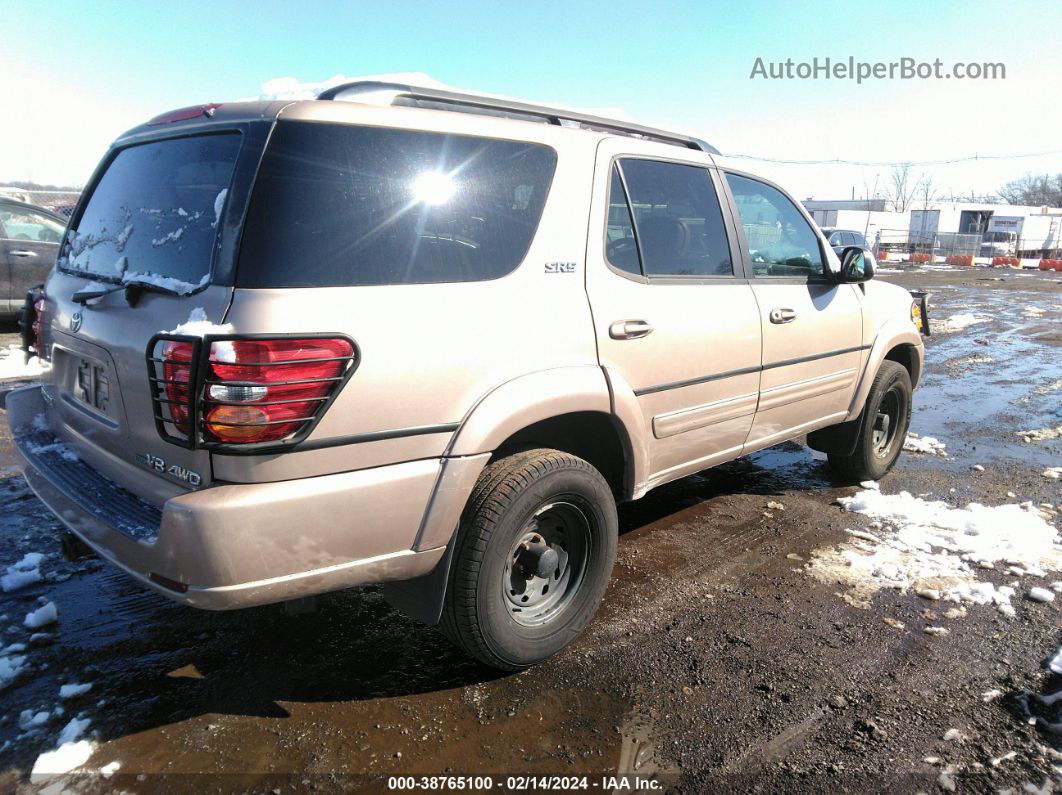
945,228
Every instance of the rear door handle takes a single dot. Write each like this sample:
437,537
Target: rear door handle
23,253
629,329
782,315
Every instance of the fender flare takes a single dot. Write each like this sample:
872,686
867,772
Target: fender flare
528,399
500,413
894,332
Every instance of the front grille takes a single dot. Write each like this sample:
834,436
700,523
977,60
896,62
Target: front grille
104,499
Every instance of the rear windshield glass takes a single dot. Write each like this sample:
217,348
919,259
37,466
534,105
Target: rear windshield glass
342,205
154,213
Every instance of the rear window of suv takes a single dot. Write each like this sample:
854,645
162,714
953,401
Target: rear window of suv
154,213
345,205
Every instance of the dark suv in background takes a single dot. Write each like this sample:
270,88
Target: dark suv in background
840,239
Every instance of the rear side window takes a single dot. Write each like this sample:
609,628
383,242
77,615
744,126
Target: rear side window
678,224
155,212
342,205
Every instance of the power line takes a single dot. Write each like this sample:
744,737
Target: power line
836,162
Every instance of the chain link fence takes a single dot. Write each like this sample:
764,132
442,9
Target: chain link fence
58,201
905,245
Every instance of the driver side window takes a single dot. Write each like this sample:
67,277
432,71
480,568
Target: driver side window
780,240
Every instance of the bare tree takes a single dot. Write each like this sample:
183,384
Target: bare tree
926,191
901,187
1034,189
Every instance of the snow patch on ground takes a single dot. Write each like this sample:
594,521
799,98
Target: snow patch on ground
924,444
26,572
11,666
1052,473
1040,434
70,753
74,690
1055,663
958,322
13,364
934,548
41,617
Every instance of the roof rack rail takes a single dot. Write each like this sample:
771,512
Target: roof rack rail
472,103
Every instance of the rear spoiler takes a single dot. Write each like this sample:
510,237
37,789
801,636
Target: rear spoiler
26,316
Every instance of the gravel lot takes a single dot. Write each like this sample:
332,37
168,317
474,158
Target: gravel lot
716,661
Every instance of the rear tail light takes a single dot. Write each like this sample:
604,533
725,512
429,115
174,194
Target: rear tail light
32,323
177,378
38,325
219,392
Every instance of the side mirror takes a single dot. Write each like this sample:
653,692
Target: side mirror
857,265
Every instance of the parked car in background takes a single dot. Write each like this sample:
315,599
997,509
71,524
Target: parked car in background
29,241
840,239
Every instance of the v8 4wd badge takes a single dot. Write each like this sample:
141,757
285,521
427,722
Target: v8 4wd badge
153,462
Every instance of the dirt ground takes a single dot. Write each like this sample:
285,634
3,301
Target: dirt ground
716,663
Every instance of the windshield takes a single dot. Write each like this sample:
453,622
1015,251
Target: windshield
153,215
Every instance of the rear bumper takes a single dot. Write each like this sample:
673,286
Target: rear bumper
232,546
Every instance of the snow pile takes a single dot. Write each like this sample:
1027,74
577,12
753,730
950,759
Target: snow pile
957,322
70,753
11,666
26,572
1040,434
924,444
1052,473
74,690
13,364
197,325
1055,663
28,719
933,549
41,617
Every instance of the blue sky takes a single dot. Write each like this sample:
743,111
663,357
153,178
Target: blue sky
83,72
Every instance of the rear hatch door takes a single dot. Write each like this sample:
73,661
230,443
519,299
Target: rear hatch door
155,234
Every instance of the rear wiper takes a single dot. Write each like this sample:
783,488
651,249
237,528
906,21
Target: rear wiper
133,288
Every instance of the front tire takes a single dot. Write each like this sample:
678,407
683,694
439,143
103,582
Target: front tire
887,416
534,555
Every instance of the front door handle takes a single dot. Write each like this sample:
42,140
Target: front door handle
23,253
782,315
629,329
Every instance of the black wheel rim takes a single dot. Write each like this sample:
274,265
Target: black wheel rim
564,529
887,422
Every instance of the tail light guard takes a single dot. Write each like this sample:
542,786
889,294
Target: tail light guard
183,407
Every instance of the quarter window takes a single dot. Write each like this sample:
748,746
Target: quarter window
345,205
677,226
781,242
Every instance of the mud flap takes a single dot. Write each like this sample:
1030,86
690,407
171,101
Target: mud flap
837,439
422,598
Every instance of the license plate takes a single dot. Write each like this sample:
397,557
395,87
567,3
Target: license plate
91,384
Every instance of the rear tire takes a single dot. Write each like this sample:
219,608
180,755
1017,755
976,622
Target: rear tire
887,416
534,555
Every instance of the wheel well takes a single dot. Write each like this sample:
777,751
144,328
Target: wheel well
904,355
594,436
